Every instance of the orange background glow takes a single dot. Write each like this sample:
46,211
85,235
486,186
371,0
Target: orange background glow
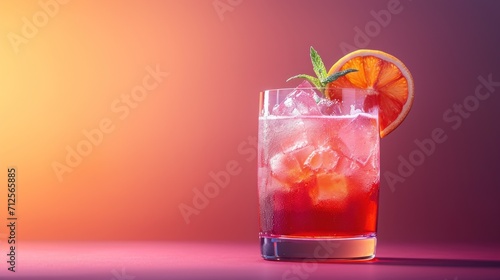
83,63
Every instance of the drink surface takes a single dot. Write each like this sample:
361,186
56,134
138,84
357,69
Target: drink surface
318,175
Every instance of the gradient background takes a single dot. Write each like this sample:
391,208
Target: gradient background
64,79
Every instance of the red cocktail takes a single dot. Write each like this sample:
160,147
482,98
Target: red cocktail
318,173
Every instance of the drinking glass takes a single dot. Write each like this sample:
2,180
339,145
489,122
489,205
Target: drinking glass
318,174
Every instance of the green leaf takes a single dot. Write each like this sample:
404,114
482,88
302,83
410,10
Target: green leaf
318,65
337,75
319,68
313,80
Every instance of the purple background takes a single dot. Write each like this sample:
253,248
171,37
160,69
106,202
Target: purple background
453,196
130,188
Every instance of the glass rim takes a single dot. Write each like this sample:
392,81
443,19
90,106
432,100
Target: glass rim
315,88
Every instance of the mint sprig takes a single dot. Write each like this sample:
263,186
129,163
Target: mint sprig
337,75
318,65
321,79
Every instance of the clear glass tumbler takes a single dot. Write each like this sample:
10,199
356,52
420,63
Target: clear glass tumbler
318,174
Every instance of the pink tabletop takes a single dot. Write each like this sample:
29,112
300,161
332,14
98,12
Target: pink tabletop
178,260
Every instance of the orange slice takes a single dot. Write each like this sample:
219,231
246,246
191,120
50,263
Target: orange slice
386,75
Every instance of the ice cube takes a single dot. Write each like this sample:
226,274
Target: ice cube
323,158
289,167
330,159
283,135
330,189
284,167
361,137
346,166
293,135
300,102
330,107
367,175
276,185
338,108
314,161
373,162
353,101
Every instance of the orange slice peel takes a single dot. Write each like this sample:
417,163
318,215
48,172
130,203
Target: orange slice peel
384,75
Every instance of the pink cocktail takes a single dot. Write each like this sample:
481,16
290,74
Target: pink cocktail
319,174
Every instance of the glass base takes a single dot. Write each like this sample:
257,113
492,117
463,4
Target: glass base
318,249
